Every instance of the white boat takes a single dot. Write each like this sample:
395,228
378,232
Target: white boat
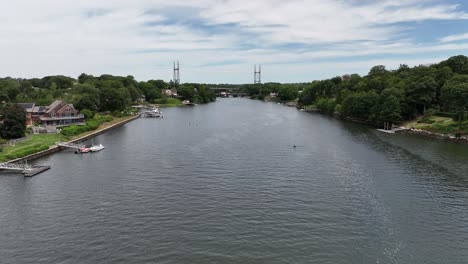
153,113
95,148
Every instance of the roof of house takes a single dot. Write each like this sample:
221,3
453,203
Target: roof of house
26,106
39,109
53,105
65,105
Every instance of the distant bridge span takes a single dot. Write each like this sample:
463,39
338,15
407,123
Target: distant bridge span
228,91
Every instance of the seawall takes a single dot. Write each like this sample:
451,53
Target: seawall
56,148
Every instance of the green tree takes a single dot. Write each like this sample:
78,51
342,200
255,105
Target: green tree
457,64
455,96
14,122
359,105
287,93
422,93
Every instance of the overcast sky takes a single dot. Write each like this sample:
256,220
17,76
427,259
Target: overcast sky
219,41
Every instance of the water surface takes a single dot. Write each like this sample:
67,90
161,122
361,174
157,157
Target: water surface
222,183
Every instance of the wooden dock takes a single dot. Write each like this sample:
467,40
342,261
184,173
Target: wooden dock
35,171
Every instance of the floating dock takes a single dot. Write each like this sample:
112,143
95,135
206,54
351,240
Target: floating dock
33,171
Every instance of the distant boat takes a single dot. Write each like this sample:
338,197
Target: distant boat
95,148
153,113
187,102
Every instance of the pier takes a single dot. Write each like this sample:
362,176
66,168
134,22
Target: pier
70,145
23,168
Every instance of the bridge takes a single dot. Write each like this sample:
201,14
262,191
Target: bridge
228,91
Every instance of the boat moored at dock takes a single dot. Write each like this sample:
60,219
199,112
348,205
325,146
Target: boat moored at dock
95,148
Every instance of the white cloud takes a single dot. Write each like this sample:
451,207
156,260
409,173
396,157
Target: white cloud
139,37
453,38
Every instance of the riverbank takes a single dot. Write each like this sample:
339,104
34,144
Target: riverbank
84,136
415,127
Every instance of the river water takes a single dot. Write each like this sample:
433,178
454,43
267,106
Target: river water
222,183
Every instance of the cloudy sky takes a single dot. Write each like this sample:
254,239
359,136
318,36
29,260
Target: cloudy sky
219,41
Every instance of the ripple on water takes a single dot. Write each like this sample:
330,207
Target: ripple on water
221,183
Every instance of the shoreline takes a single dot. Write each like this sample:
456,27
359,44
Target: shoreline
406,130
54,148
439,136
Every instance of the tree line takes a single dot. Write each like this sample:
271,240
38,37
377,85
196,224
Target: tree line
383,95
88,93
103,93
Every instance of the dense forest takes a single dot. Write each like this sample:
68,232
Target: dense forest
383,95
97,94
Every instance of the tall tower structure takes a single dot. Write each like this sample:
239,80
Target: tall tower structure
176,75
257,74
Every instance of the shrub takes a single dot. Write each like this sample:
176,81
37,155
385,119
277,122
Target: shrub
427,120
446,114
92,124
88,114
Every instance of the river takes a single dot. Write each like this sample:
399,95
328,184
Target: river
222,183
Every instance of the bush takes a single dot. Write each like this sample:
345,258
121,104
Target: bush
427,120
446,114
326,105
338,109
88,114
92,124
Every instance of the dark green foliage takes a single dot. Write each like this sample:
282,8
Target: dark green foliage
14,122
394,96
446,114
287,93
88,114
91,124
326,105
359,105
458,64
454,95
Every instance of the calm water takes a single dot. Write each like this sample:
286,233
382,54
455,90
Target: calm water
221,183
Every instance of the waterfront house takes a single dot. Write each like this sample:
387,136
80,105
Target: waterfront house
59,113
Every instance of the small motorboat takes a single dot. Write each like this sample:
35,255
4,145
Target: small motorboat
83,150
96,148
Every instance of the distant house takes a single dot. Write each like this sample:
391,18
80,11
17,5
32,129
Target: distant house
170,92
59,113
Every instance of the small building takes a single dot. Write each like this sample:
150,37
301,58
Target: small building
170,92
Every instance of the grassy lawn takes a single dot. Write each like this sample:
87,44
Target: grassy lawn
33,144
36,143
438,124
168,102
103,125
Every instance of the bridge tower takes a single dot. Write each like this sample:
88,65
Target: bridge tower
176,75
257,74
